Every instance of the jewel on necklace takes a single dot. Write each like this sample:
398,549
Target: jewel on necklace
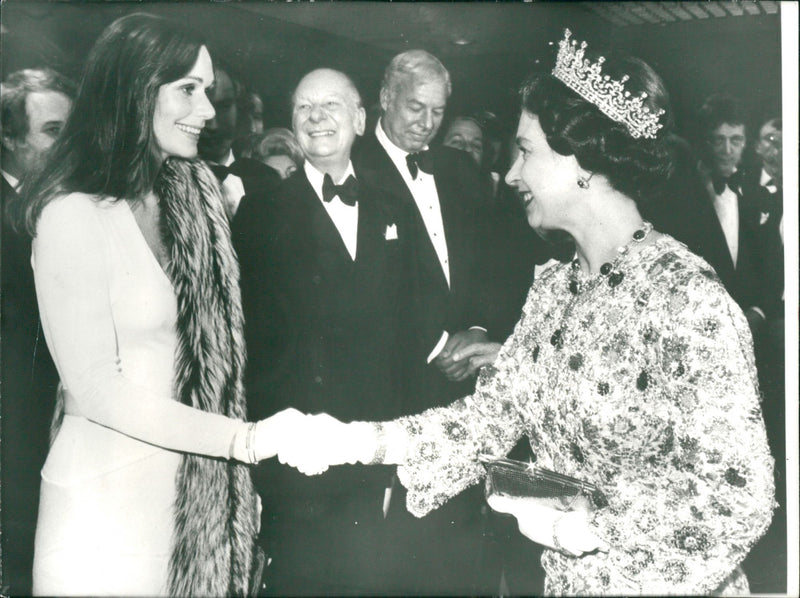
615,279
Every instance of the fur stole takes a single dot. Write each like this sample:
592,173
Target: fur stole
216,517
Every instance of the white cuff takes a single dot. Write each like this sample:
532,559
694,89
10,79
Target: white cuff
439,346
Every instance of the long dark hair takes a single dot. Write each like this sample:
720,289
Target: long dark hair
107,146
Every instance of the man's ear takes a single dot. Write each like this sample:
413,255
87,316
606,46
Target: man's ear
9,143
384,97
361,121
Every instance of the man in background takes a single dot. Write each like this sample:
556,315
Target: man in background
440,190
323,288
240,177
35,105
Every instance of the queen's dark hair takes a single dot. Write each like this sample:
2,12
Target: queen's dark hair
573,126
107,146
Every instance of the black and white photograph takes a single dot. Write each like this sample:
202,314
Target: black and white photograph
372,298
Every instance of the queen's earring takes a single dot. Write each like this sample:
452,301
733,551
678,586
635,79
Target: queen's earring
583,182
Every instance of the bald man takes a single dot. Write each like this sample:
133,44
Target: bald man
322,274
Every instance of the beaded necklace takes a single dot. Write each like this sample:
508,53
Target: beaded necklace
608,272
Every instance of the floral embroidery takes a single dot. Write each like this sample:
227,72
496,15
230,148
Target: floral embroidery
649,391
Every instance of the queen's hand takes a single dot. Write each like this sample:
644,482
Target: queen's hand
568,532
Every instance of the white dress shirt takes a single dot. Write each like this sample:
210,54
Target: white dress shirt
423,189
232,187
344,217
727,207
12,180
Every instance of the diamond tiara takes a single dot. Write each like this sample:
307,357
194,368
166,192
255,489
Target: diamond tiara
609,95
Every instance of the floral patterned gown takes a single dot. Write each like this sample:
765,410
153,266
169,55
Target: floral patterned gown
650,392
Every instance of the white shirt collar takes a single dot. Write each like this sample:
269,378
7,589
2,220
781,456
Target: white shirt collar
315,176
396,154
229,159
766,178
12,180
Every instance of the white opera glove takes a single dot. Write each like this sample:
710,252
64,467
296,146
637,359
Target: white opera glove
255,441
327,441
569,532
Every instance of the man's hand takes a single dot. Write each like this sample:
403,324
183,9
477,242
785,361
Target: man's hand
458,370
478,355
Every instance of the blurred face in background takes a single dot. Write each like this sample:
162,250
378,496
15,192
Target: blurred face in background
770,149
726,143
46,112
220,130
413,111
466,135
282,164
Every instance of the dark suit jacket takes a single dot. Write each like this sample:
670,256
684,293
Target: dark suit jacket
762,211
685,210
29,382
257,177
322,336
436,307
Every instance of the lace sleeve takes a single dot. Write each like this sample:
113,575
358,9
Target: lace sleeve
444,443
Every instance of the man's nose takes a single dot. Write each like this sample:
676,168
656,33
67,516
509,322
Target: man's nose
317,113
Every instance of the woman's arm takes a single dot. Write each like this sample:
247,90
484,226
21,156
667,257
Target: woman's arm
70,269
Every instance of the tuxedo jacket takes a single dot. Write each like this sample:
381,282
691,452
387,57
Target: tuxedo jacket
762,211
323,330
257,177
685,210
29,383
437,307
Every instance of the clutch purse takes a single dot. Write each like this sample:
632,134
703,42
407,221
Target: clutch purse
518,479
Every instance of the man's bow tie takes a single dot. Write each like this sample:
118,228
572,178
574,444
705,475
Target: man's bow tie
220,171
720,182
419,161
347,191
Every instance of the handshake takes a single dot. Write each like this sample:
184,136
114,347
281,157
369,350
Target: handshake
310,443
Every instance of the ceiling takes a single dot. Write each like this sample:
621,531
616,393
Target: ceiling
489,47
654,13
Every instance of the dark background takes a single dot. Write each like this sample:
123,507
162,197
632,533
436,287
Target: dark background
697,47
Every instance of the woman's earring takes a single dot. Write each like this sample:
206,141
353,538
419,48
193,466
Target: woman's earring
583,182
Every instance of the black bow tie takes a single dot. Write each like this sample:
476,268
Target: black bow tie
220,171
419,161
347,191
720,182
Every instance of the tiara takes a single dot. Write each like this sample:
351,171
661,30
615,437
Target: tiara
609,95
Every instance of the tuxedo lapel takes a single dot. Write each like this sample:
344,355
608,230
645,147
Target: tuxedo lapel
323,232
376,164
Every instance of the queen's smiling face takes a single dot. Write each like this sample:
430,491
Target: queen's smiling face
544,178
182,109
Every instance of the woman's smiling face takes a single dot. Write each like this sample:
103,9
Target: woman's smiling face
545,179
182,109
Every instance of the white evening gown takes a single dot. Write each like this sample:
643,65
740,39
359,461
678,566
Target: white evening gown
108,486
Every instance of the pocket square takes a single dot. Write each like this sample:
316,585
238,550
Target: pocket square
764,217
390,234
